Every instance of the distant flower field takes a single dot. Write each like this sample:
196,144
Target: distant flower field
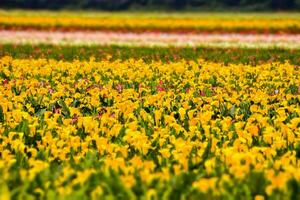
149,106
153,22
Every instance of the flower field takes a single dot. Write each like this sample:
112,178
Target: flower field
132,120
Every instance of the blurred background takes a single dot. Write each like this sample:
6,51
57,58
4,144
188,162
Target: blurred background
217,5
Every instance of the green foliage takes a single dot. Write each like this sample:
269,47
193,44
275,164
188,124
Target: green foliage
149,54
1,115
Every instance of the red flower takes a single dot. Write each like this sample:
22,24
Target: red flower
202,93
5,81
160,88
187,90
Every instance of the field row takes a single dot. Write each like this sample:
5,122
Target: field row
186,129
155,22
286,41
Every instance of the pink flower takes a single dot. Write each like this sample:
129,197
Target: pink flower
119,87
51,90
56,110
74,119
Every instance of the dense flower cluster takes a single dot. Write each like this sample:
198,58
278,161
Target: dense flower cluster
150,130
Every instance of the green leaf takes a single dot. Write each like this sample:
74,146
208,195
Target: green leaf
1,115
65,109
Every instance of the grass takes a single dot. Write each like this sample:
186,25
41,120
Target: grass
149,54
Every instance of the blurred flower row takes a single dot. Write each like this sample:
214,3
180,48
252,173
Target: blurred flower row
154,23
289,41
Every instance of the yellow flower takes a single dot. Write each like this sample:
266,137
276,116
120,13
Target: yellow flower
165,153
182,112
253,130
259,197
204,184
